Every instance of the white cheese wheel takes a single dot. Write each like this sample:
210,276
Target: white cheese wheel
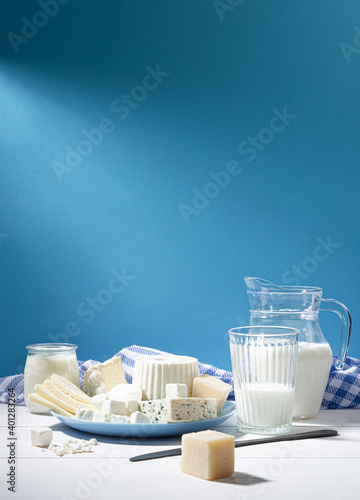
152,373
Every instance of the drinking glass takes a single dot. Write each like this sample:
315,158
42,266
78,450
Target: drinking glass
264,361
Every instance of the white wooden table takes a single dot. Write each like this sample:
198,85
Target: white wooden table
326,468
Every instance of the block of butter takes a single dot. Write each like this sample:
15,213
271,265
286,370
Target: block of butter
179,409
206,386
103,377
208,454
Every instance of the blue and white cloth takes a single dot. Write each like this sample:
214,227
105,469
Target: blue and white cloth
342,391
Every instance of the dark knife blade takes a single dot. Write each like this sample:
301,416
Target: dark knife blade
286,437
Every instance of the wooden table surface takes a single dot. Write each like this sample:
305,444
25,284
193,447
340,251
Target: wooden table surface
326,468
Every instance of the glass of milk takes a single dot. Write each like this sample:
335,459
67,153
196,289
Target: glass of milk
42,361
264,361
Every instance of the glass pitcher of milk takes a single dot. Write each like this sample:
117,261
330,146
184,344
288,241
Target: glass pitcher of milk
299,307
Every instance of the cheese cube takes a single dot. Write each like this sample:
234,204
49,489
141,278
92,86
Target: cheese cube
41,436
100,416
98,400
124,392
208,454
207,386
179,409
139,418
113,407
84,413
176,391
131,406
103,377
119,419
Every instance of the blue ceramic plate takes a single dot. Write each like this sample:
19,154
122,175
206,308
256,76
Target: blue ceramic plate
147,430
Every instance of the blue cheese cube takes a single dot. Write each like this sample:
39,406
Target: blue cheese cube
179,409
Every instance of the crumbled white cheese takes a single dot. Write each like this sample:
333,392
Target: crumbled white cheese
72,446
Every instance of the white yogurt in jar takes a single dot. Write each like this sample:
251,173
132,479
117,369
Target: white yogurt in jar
42,361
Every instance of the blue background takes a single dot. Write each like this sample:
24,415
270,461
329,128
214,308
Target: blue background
62,236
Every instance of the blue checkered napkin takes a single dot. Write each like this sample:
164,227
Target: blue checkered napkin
342,391
343,388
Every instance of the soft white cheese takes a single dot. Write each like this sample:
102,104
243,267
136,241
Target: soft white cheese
119,419
85,413
103,377
101,416
41,436
131,406
139,418
124,392
74,446
114,407
98,400
176,391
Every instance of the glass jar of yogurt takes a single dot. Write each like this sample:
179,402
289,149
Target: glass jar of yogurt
42,361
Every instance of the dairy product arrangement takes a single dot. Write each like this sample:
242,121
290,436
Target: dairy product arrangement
165,389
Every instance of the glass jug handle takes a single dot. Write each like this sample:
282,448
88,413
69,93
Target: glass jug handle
346,325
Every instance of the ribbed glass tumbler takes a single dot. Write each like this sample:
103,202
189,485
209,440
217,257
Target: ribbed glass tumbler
263,361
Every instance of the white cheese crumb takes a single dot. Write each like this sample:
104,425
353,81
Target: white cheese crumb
72,446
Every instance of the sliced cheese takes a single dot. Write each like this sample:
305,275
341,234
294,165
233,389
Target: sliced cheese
54,389
208,454
103,377
206,386
46,394
69,388
36,398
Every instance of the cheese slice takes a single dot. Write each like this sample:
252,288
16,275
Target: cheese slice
208,454
206,386
69,388
46,394
36,398
54,389
103,377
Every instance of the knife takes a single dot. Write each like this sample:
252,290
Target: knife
287,437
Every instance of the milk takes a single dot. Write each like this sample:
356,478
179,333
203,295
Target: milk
312,374
265,405
39,367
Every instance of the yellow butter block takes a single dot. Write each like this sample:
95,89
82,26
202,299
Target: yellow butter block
208,454
206,386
